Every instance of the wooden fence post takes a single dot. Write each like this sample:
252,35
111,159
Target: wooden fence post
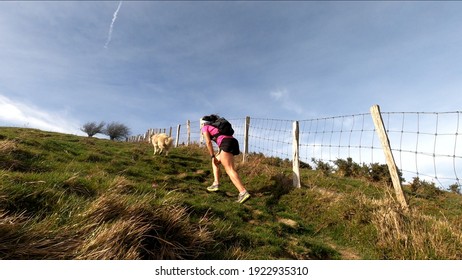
296,159
177,135
380,128
246,139
201,137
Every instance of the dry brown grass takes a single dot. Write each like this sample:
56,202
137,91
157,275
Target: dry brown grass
21,238
122,230
7,146
412,235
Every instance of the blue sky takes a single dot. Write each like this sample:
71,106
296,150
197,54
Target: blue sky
153,64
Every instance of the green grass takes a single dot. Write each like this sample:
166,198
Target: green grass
71,197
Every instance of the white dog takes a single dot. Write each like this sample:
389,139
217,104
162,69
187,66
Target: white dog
161,142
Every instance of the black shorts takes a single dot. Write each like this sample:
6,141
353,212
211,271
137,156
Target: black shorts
230,145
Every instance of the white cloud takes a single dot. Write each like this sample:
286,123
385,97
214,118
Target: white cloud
278,94
286,100
18,114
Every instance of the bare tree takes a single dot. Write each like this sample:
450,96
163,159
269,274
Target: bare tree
91,128
117,131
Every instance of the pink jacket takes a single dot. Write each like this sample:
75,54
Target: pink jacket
212,131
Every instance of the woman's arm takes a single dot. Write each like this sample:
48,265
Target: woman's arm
208,143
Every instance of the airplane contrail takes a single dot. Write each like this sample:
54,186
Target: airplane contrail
114,17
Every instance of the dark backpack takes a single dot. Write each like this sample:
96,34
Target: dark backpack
224,127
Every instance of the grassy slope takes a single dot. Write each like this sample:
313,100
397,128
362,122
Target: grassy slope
70,197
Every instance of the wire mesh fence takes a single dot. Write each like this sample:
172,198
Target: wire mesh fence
427,144
424,144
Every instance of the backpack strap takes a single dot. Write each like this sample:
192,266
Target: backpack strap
214,137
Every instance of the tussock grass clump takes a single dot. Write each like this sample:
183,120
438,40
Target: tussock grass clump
14,158
123,230
6,146
22,238
413,235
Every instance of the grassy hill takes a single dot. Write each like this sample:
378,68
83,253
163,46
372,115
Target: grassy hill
70,197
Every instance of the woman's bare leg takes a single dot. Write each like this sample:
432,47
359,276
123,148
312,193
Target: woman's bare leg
216,172
227,160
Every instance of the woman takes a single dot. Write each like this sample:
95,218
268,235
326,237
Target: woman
228,148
